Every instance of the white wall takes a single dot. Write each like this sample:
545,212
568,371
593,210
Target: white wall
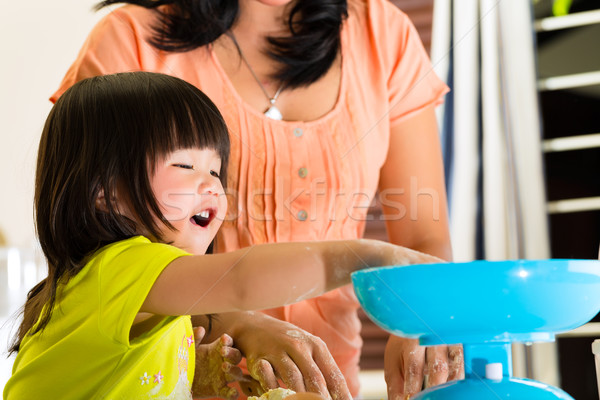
38,42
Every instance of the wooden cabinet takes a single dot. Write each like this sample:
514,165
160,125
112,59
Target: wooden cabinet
569,92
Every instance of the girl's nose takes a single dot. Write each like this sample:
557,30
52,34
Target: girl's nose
209,188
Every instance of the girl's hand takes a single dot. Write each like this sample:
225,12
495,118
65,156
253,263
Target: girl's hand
399,255
276,349
216,367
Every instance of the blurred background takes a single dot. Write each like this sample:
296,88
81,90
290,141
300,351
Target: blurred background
520,132
40,40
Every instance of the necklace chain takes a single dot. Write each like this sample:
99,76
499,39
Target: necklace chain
273,99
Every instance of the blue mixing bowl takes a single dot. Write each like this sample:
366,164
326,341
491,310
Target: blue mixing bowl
481,301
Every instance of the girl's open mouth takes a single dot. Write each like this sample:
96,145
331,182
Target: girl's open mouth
203,218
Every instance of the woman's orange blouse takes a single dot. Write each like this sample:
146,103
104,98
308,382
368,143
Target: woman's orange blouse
296,180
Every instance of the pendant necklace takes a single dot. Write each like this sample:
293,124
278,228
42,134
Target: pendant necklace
272,112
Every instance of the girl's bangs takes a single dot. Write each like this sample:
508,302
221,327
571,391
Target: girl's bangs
183,119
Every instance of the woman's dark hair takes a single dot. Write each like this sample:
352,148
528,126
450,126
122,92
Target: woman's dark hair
104,136
305,56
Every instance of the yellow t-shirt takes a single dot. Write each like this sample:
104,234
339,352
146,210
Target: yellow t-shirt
85,352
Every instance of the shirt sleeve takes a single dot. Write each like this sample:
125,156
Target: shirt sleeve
412,83
112,46
128,272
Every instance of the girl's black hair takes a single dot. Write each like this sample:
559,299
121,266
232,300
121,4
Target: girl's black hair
305,56
104,136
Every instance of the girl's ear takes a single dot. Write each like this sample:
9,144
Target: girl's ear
101,201
116,204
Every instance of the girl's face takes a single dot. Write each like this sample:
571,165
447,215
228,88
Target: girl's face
189,192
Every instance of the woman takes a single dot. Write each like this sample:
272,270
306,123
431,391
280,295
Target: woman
326,102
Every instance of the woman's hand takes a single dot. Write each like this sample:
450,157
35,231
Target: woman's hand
277,350
216,367
408,365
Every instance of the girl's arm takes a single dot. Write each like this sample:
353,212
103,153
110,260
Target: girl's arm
267,275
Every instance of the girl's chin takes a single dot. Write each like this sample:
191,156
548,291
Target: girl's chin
198,248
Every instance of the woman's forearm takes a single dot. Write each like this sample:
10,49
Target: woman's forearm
229,323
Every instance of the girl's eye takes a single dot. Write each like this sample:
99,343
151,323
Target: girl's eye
215,174
184,166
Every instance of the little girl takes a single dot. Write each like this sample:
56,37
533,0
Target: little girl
129,183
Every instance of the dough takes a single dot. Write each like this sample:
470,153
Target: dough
273,394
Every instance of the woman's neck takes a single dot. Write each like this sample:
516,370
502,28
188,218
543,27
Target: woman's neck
258,20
